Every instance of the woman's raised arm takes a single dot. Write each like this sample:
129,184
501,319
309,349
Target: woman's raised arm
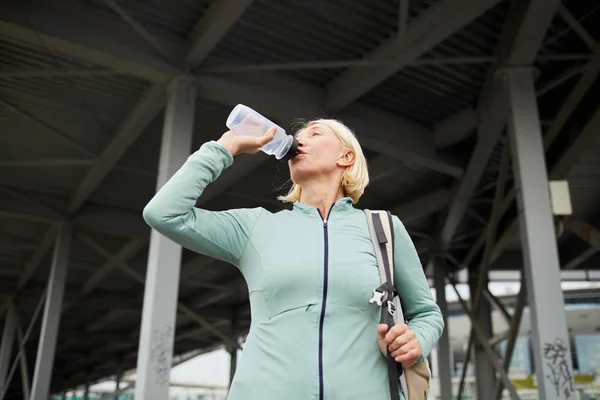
172,212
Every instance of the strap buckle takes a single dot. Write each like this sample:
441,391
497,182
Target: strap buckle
391,307
378,297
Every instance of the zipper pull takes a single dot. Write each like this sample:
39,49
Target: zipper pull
325,223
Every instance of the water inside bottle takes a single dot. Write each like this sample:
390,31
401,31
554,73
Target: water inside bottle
249,130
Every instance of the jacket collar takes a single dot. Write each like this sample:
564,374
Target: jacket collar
345,203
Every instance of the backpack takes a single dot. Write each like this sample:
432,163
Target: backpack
414,381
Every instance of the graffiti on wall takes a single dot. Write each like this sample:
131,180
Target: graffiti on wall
560,374
161,352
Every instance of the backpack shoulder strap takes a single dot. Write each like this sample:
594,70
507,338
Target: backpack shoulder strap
382,235
380,230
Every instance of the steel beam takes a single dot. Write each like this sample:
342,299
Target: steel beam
422,206
6,345
513,333
462,124
554,370
113,221
435,25
44,362
558,171
164,258
479,335
445,363
589,74
582,142
140,279
484,369
283,100
392,136
588,233
455,128
125,253
139,29
30,21
577,27
520,41
48,127
580,259
144,111
482,280
562,167
493,300
47,163
212,27
53,72
21,354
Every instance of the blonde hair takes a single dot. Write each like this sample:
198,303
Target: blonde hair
355,178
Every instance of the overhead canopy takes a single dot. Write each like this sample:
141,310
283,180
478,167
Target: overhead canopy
82,95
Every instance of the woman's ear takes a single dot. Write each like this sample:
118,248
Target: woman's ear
347,159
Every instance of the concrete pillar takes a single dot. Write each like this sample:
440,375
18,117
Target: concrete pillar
164,258
445,364
554,370
485,375
44,361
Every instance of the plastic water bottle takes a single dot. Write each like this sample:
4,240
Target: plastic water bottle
245,121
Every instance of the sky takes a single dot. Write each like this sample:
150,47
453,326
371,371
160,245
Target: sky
213,368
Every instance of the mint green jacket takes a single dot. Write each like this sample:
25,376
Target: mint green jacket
313,333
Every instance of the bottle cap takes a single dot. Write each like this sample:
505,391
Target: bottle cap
292,151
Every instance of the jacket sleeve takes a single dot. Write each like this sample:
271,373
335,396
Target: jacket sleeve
220,234
420,309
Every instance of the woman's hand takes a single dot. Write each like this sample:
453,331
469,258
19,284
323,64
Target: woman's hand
401,341
245,144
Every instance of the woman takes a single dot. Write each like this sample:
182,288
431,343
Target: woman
310,271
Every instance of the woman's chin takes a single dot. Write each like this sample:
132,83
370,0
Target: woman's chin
299,174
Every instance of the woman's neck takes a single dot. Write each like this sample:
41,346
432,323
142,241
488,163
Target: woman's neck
321,195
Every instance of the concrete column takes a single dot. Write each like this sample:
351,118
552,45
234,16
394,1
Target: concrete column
6,345
485,375
554,370
44,361
164,258
445,364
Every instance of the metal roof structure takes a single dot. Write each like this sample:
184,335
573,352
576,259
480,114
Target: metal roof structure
82,95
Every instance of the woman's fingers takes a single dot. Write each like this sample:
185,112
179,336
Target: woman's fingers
267,137
246,144
401,340
396,331
381,331
408,359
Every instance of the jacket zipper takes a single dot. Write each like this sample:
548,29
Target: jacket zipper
324,301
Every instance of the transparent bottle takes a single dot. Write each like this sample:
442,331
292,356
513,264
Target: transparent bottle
245,121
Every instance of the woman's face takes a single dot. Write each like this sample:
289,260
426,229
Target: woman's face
321,154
